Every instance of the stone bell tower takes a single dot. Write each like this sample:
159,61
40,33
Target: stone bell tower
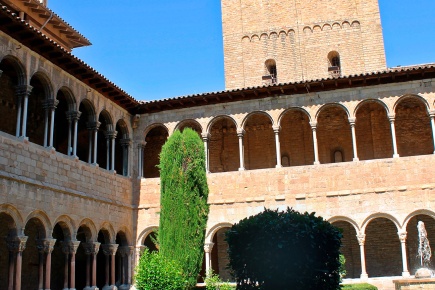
279,41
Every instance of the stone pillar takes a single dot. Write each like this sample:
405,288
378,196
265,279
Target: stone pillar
93,140
361,241
139,251
41,268
48,246
49,105
16,245
69,119
352,128
110,141
276,130
392,118
402,237
73,251
22,93
432,122
65,250
240,133
205,138
316,149
109,251
91,251
73,118
141,148
11,265
70,249
125,144
126,253
208,247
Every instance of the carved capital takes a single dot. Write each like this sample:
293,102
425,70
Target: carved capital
391,118
17,244
205,137
313,126
46,246
276,129
240,132
125,251
110,134
352,121
125,142
361,239
23,90
70,247
402,236
109,249
73,115
432,114
91,248
208,247
93,126
50,104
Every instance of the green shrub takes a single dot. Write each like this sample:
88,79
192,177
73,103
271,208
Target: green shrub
183,200
214,282
156,273
285,250
362,286
342,268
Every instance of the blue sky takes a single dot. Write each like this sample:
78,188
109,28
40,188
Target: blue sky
163,49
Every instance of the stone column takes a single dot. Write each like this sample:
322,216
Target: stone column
240,133
93,134
125,144
129,265
110,141
48,247
276,130
73,251
12,259
141,148
361,241
16,245
316,149
208,247
22,93
392,118
66,251
49,105
91,251
402,237
41,267
109,251
126,253
432,122
205,137
354,146
139,251
75,116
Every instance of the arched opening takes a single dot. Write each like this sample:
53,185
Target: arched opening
413,128
149,242
350,249
9,80
155,139
59,257
373,132
270,74
84,235
223,146
382,249
219,255
104,142
122,144
259,142
103,261
192,124
8,231
296,139
84,132
36,113
33,259
334,64
121,260
333,133
61,125
412,241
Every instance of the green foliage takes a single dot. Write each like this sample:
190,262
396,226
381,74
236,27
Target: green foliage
184,208
214,282
156,273
362,286
285,250
342,268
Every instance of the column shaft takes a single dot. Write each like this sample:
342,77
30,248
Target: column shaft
94,269
24,125
66,272
90,146
241,151
278,148
17,130
45,126
112,167
41,271
11,270
112,276
50,143
107,153
75,137
316,149
18,271
72,282
48,271
95,146
393,136
69,152
107,269
432,122
88,270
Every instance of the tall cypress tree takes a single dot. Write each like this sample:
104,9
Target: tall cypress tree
184,208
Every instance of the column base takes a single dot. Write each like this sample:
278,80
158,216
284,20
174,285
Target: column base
396,156
91,288
278,166
316,163
124,287
111,287
242,169
406,274
355,159
364,277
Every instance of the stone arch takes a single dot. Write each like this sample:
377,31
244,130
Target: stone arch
223,144
8,232
46,84
91,232
380,215
86,121
355,24
142,236
69,97
213,230
345,219
283,33
104,146
291,31
67,225
307,29
259,141
88,105
373,130
334,135
126,234
264,36
413,126
362,103
317,28
15,214
326,106
44,219
255,37
336,25
122,143
109,230
155,138
219,258
62,127
190,123
416,213
19,68
296,137
246,38
346,24
326,26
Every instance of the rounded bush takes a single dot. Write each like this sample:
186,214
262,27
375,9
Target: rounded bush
285,250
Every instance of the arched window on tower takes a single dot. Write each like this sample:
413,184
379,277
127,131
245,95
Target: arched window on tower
270,76
334,64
